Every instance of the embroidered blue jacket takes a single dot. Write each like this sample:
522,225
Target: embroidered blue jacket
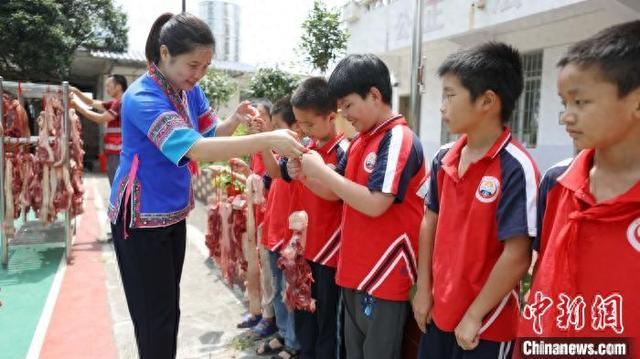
159,126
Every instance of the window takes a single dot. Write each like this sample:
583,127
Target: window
524,121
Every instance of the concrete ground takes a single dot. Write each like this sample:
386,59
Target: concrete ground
210,309
78,310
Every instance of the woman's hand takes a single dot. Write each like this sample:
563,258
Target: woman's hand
285,142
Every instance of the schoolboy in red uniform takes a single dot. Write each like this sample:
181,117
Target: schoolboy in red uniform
585,284
475,242
315,112
383,170
276,233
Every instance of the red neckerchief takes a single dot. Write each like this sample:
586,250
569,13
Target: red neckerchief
557,268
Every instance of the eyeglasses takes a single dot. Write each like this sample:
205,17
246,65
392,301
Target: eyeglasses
446,98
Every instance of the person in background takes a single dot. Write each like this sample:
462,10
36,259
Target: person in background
108,113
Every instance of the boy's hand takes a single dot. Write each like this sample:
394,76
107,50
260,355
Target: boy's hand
294,168
245,112
257,125
467,332
312,164
240,166
422,303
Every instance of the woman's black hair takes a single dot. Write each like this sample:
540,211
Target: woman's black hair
180,33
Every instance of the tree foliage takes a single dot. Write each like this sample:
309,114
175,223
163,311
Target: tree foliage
272,84
39,37
218,87
323,38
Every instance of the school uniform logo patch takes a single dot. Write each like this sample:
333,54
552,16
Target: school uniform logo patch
370,162
488,189
633,234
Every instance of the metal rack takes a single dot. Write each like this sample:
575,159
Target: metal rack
34,232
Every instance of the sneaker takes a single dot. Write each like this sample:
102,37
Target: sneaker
249,321
265,328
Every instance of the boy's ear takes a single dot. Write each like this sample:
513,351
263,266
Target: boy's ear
636,102
489,100
332,115
375,93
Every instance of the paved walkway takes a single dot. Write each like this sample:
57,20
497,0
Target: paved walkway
54,310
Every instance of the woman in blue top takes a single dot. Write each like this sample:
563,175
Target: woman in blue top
167,125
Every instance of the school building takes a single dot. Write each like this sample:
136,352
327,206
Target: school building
541,29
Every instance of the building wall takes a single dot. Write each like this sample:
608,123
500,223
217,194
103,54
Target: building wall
543,25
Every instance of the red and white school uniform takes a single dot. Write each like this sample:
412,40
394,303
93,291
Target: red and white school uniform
378,255
493,201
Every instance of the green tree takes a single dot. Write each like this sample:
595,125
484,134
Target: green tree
323,38
218,87
272,84
39,37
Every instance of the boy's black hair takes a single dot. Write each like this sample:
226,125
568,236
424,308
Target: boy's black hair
313,94
283,107
358,73
616,53
262,102
120,80
491,66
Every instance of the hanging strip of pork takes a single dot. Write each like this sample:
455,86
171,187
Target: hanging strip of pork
76,153
239,205
25,159
15,121
61,189
214,229
35,185
75,137
226,220
296,270
45,158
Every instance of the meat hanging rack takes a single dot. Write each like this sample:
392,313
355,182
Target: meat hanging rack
35,232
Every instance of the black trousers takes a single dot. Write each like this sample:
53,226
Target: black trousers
318,332
436,343
378,334
150,263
